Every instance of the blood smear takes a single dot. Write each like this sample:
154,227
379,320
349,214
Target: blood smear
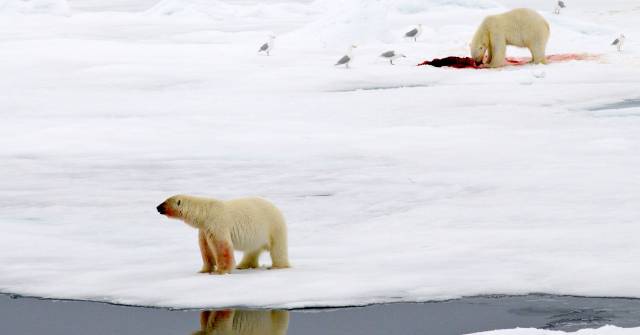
469,63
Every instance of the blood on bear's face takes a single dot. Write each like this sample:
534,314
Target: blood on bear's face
168,209
478,54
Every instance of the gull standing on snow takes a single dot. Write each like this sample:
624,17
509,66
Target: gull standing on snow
619,42
414,33
559,6
267,46
346,59
391,55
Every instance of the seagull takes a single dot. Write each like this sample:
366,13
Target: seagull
391,55
346,59
414,33
559,6
619,42
539,74
267,46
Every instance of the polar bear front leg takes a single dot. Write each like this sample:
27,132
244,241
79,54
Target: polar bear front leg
208,261
498,50
222,250
223,254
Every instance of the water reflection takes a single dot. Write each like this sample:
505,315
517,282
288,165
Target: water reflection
28,316
243,322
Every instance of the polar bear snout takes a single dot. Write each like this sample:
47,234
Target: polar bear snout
479,54
477,57
171,207
162,208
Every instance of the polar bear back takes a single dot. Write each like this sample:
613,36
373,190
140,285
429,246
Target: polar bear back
252,222
521,26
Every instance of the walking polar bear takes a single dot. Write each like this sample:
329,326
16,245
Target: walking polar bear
250,225
521,27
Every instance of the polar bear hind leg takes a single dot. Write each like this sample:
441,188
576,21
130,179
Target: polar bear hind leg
250,260
278,251
537,56
538,45
538,51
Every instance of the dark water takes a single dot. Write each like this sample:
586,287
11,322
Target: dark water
34,316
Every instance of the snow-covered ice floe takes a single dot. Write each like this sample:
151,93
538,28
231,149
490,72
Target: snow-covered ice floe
399,183
606,330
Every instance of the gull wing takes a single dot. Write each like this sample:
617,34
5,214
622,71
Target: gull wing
345,59
388,54
411,33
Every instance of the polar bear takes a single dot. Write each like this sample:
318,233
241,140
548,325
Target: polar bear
520,27
250,225
243,322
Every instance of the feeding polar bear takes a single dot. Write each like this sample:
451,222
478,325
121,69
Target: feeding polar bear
250,225
519,27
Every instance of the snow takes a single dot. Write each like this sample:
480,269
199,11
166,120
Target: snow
606,330
57,7
399,183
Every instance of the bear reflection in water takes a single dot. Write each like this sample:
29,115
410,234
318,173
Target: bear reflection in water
239,322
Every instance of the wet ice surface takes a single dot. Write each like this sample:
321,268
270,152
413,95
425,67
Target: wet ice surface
32,316
621,109
624,104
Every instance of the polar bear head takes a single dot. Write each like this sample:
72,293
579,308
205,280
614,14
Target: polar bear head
172,207
194,211
480,43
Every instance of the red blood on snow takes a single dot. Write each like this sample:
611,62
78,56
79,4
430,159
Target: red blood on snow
469,63
452,61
